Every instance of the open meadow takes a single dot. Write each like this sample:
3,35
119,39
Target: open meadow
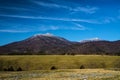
62,74
59,67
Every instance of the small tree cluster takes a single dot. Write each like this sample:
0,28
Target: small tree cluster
12,69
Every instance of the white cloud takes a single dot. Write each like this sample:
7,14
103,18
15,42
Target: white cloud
15,8
74,26
45,28
30,29
79,27
51,18
49,4
86,9
108,20
13,31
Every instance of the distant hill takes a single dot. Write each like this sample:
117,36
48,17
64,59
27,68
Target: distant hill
49,44
97,47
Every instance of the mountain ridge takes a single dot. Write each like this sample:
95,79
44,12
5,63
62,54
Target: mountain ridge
54,45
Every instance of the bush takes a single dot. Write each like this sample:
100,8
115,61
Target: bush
5,69
82,67
19,69
53,68
10,68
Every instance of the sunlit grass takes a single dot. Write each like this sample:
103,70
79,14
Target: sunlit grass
45,62
37,67
63,74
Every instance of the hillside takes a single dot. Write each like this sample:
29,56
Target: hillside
38,44
50,44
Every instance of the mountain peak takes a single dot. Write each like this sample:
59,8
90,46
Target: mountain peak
46,34
47,37
42,35
95,39
92,39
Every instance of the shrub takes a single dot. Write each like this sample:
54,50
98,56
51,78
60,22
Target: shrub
5,69
10,68
82,67
19,69
53,68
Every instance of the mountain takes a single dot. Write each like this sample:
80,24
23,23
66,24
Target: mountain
37,44
97,47
50,44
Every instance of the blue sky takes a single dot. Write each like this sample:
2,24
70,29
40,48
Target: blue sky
74,20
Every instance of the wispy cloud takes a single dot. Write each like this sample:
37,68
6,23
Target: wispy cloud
79,26
46,28
109,20
17,28
86,9
75,26
15,8
52,18
50,5
13,31
43,28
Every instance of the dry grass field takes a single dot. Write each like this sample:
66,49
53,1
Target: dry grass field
66,67
63,74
